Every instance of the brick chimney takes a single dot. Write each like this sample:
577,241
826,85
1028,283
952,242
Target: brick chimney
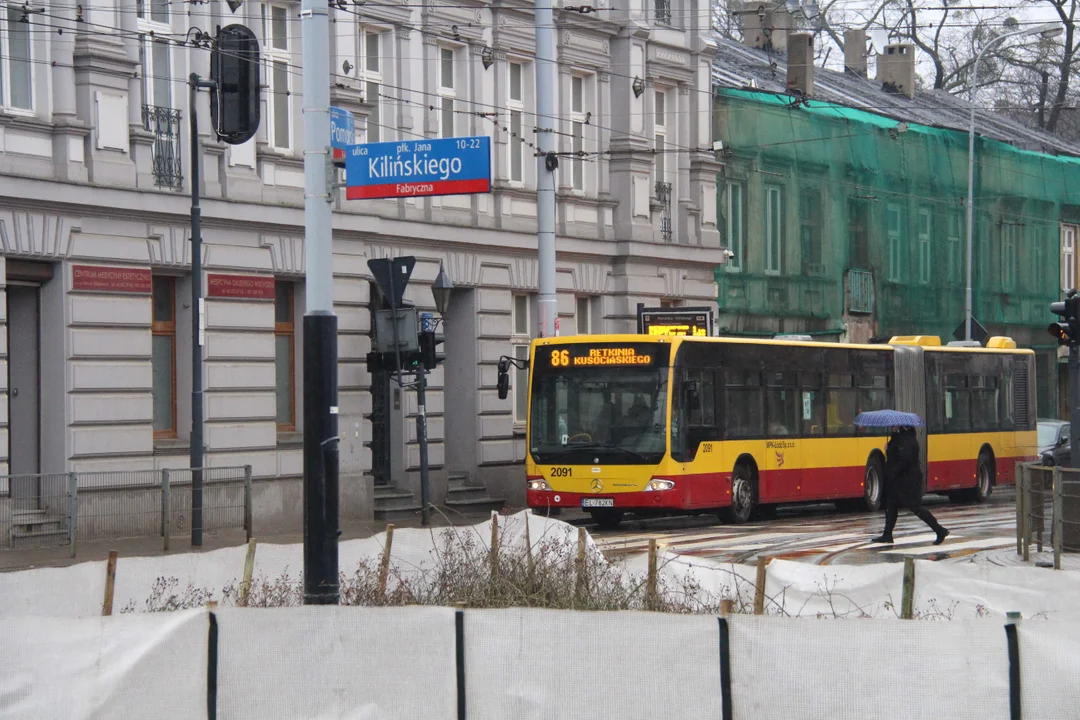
800,64
855,52
896,69
765,25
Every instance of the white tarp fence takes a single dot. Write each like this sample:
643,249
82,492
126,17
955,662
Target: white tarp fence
383,663
794,589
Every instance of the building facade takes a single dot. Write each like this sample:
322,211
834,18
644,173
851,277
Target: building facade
842,198
95,239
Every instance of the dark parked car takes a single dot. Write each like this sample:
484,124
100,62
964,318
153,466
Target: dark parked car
1054,445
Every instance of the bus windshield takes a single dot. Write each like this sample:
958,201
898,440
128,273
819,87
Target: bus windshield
615,417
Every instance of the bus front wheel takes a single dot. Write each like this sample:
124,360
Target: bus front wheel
743,494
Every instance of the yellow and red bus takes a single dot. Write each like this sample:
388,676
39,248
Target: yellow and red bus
679,425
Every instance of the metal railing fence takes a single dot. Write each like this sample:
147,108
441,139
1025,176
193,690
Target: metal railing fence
1047,503
63,509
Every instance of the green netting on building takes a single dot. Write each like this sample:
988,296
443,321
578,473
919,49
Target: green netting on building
839,215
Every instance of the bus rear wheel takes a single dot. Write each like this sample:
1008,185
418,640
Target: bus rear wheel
873,485
984,482
743,496
606,519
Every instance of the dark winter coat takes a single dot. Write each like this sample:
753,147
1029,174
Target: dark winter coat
903,470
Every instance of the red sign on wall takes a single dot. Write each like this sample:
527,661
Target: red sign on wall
111,279
251,287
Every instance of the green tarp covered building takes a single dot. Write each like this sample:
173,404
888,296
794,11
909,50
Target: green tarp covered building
842,202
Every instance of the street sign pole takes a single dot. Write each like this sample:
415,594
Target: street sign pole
321,496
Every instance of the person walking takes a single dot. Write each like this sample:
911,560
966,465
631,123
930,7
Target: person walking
903,484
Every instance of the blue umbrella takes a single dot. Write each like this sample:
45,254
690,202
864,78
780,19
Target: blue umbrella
888,418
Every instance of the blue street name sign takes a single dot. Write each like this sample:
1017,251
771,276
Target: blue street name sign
342,132
411,168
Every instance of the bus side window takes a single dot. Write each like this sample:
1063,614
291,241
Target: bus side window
742,405
811,405
841,405
957,403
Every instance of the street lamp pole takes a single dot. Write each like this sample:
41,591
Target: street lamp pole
1048,30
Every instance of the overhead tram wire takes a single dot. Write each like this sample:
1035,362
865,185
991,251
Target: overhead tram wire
295,71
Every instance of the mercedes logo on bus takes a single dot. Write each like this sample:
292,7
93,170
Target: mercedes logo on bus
597,485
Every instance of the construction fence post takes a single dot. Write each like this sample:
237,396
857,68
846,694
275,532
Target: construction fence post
1019,488
166,510
247,502
73,511
1058,532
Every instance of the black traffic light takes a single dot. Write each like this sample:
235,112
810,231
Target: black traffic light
234,66
429,354
1067,330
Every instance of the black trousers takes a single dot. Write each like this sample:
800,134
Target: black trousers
892,511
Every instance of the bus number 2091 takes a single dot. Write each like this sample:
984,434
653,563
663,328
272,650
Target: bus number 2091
561,472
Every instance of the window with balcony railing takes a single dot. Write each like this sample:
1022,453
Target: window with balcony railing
663,198
164,123
663,11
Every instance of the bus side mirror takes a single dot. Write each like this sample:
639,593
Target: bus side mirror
504,385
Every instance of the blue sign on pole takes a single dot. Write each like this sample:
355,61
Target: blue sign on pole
342,132
411,168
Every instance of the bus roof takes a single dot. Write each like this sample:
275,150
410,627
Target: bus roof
676,340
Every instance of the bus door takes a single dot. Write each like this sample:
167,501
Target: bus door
781,480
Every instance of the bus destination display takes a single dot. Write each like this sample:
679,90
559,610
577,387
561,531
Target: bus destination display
577,356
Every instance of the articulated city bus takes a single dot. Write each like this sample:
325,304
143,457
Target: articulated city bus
676,425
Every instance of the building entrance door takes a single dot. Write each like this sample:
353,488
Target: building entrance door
24,392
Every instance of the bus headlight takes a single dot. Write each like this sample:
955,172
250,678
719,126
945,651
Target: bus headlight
538,484
658,484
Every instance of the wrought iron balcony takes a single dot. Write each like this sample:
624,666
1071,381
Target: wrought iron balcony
663,197
164,123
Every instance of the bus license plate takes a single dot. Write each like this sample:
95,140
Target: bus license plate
597,502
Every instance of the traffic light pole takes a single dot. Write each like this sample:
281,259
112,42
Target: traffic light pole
196,452
421,437
320,324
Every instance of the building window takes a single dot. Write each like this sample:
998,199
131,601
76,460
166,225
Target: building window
774,229
578,119
859,234
663,11
663,197
1010,233
660,128
810,232
733,217
163,356
583,315
447,92
894,231
519,340
1068,257
16,61
956,265
276,50
516,104
285,355
154,53
370,73
925,231
1037,256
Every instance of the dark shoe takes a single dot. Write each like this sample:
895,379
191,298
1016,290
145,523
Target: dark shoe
941,535
882,539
